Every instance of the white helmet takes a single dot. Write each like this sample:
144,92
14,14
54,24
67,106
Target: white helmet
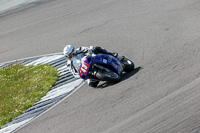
68,51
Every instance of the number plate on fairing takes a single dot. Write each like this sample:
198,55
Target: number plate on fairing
84,68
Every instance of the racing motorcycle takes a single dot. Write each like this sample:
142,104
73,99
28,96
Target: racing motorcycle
100,67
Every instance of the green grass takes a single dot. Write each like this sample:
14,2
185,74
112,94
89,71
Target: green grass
21,87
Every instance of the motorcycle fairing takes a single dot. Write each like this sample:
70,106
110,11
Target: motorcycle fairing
110,61
107,61
84,67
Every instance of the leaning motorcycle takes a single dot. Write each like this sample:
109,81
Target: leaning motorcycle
101,67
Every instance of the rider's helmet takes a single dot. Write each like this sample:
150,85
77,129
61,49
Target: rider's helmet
68,51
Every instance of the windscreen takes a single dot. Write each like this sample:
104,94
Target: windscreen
76,61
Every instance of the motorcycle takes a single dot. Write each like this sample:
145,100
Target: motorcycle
101,67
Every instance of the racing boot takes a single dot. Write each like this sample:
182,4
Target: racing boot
113,54
104,51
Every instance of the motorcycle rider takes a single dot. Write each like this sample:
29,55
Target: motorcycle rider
69,51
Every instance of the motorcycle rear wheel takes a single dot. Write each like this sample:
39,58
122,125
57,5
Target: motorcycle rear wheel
128,65
108,76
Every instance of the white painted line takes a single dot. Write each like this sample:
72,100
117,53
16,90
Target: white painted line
11,128
66,85
50,107
60,53
6,5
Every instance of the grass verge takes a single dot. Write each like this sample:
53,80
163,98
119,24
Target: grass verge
21,87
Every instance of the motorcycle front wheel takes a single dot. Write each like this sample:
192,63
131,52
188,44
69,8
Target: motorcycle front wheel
108,76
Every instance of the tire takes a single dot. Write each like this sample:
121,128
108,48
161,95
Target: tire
128,65
108,76
93,83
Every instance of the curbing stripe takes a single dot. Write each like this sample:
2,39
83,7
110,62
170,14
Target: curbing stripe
66,84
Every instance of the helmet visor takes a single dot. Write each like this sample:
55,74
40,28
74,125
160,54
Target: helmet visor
70,55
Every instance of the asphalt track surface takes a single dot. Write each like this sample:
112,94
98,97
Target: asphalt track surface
162,37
